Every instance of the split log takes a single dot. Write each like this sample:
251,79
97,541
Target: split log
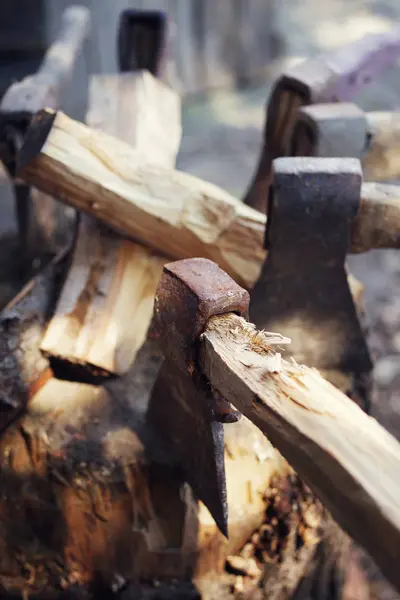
106,305
167,210
344,130
346,457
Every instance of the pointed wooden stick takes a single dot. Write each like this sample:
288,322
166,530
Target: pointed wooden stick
347,458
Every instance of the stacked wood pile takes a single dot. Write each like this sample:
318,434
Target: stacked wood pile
91,498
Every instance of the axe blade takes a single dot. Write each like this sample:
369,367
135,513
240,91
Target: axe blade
183,408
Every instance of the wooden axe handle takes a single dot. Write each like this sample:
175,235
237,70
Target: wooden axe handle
347,458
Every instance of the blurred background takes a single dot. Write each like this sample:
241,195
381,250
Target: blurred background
225,55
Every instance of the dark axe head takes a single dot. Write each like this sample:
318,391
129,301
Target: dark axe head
303,290
334,76
330,130
183,408
142,38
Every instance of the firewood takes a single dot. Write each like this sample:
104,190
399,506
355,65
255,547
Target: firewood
172,212
105,308
346,457
380,162
165,209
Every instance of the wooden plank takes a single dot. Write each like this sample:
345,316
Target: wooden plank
346,457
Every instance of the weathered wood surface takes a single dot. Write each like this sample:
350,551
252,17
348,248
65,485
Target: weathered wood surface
106,305
165,209
346,457
173,212
44,88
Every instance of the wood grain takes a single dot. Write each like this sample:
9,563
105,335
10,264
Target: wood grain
346,457
106,305
172,212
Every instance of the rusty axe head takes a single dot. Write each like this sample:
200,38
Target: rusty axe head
303,290
184,409
334,76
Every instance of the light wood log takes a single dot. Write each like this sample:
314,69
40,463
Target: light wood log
106,305
139,109
346,457
378,222
170,211
381,160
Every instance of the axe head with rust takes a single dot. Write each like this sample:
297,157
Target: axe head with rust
185,411
142,38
